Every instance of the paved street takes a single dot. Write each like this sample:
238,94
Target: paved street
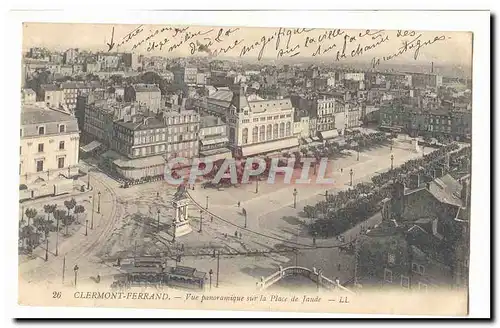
129,225
273,219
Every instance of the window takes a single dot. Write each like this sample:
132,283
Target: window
405,282
288,128
269,132
245,136
62,128
61,145
21,132
282,130
387,275
262,133
418,268
60,162
20,150
180,138
41,130
275,131
391,258
39,166
255,134
40,148
422,286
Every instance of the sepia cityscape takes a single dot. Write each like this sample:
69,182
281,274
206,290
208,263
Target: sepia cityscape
383,143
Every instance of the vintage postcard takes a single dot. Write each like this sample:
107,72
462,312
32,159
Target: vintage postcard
245,168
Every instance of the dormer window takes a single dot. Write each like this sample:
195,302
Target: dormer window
41,130
62,128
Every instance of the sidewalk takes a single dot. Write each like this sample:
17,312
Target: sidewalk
75,245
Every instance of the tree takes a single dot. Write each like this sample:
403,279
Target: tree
59,215
30,213
309,211
70,204
78,210
92,77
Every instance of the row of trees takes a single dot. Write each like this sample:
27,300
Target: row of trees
426,164
38,227
344,210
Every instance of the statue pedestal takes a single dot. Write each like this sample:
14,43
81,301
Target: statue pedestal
182,228
181,220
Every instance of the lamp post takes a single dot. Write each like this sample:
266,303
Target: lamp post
57,236
92,216
392,162
210,273
88,179
257,185
47,250
314,238
245,215
351,173
358,155
201,221
86,227
206,206
99,202
158,221
76,272
326,195
218,258
295,192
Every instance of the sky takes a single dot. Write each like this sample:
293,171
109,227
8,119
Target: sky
454,48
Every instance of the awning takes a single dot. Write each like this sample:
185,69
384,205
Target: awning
91,146
329,134
216,154
140,163
391,128
270,146
214,141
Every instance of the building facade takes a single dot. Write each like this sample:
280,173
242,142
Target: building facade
214,143
52,96
48,150
148,95
261,126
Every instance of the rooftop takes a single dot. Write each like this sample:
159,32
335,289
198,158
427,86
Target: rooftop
209,121
142,123
49,87
32,114
146,88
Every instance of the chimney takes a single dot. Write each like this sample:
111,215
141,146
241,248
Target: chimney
432,67
438,172
386,210
397,201
464,194
435,229
415,180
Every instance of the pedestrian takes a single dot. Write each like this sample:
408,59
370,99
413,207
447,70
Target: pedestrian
239,204
341,170
211,218
236,233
